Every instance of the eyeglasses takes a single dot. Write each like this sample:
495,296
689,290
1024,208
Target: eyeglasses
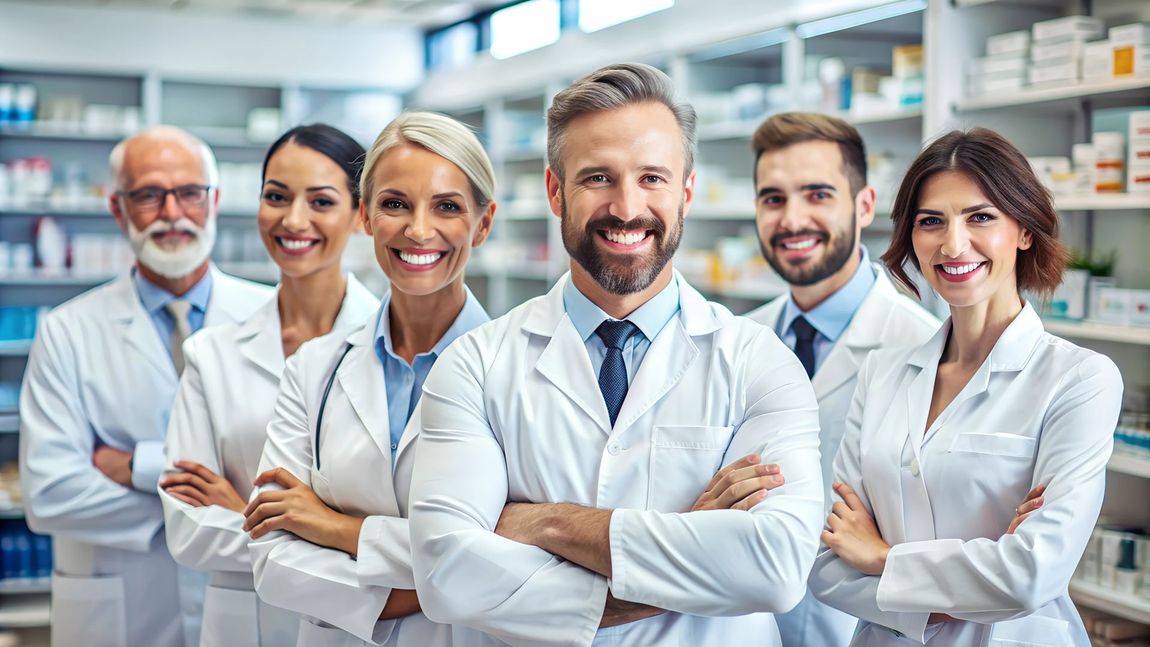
190,196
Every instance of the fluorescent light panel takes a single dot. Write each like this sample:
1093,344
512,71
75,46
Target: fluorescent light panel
858,18
523,27
600,14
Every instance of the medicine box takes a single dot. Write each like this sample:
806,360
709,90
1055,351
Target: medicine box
1131,60
1071,48
1087,27
1134,34
1056,73
999,65
1098,60
1015,42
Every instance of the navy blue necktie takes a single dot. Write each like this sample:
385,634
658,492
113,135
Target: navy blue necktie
613,373
805,343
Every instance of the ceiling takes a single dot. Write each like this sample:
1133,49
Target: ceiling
422,13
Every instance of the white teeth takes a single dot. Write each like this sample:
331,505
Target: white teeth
960,269
805,244
420,259
623,238
296,244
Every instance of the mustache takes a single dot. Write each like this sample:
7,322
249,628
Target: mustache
778,238
183,225
642,223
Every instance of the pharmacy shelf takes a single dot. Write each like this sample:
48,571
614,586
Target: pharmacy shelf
744,129
226,137
1129,464
9,423
52,279
26,587
734,213
1102,202
1132,88
762,293
524,210
15,348
26,611
1122,605
60,132
11,513
1098,331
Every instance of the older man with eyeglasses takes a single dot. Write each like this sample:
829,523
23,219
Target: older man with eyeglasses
100,381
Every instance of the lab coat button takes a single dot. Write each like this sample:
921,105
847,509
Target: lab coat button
914,470
613,449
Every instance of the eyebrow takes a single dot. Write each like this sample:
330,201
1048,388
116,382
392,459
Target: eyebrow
977,207
322,187
815,186
449,194
650,168
310,188
276,183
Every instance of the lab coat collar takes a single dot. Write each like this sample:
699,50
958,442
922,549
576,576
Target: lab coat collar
361,378
1011,352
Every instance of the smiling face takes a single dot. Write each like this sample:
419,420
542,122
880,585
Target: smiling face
966,247
424,218
307,212
807,219
624,195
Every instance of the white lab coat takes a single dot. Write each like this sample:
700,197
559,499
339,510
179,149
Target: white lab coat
885,319
1039,410
341,598
513,412
99,374
226,398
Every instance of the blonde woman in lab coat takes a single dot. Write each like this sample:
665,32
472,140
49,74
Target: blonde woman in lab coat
308,209
927,541
329,529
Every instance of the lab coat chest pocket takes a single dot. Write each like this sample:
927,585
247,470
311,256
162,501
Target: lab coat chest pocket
88,611
1031,631
683,460
1004,463
230,618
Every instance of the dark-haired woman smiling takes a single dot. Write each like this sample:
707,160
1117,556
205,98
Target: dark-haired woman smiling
227,394
929,543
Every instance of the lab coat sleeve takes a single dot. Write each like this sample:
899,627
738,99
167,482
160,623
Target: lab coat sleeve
466,574
208,538
65,494
998,579
296,574
835,582
731,562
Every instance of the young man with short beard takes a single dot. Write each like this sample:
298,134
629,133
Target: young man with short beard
101,378
811,207
563,447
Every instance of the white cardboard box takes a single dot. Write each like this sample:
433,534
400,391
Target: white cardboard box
1067,72
1015,42
1087,27
1133,34
1070,48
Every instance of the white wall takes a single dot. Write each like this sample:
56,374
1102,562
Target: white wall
206,46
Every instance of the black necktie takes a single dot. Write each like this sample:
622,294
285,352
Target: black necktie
613,373
805,343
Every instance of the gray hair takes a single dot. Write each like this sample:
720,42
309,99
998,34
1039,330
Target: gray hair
610,87
443,136
170,133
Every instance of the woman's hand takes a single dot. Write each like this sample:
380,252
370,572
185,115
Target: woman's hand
1033,501
198,486
297,509
852,534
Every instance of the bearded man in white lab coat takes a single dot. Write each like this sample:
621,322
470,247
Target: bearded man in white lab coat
563,447
100,381
813,202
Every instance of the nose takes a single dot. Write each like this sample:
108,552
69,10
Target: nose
170,208
956,240
419,228
794,217
628,202
297,219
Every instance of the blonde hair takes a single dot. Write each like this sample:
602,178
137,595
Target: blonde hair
443,136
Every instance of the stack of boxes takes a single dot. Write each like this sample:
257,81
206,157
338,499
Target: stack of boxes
1003,69
1058,48
1126,52
1138,153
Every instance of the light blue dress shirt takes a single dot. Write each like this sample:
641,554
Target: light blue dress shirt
405,381
831,317
649,318
154,298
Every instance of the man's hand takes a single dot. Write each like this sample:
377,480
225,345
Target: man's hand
198,486
297,509
618,612
852,534
115,464
1033,501
740,485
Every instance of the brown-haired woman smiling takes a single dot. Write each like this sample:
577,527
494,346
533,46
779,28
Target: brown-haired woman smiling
929,543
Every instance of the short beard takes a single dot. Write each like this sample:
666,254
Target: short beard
833,259
639,273
175,263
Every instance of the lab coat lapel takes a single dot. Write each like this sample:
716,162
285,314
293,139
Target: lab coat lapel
564,361
361,378
260,340
225,303
139,332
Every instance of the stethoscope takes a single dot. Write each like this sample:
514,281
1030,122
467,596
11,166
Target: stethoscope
323,402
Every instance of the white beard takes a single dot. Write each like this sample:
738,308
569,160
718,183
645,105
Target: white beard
167,262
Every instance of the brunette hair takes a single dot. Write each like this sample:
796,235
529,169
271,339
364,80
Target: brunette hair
1005,176
789,128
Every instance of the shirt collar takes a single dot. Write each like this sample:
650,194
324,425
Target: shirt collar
649,317
154,297
471,316
832,316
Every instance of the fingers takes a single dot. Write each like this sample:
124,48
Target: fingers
849,496
262,513
750,501
186,499
1036,492
1030,506
277,475
278,522
184,478
262,498
746,461
198,470
188,494
746,487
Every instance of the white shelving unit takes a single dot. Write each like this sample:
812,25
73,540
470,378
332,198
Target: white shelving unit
1131,464
1089,330
25,611
1103,202
1103,599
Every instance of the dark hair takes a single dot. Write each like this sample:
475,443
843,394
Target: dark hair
788,128
332,143
1003,173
